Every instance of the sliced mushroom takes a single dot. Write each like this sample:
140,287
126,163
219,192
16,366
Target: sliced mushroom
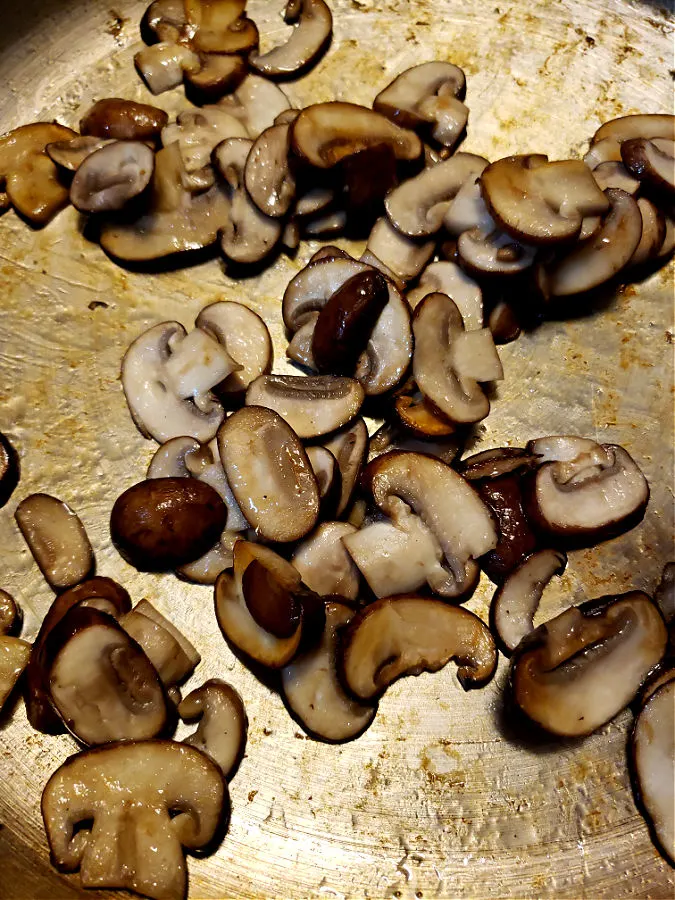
605,150
10,614
369,259
324,564
223,724
246,339
268,176
436,494
269,593
625,128
449,362
467,210
248,235
208,567
101,682
28,175
198,132
497,462
404,257
503,323
170,652
123,120
427,96
14,657
661,674
665,593
269,473
576,672
167,21
9,469
589,495
71,154
163,66
418,414
669,240
394,437
493,252
325,133
652,162
112,176
257,103
448,278
312,406
614,175
349,447
653,233
389,350
652,751
329,225
299,348
213,15
56,538
313,30
239,36
167,378
218,74
407,635
313,201
516,601
328,478
122,815
313,691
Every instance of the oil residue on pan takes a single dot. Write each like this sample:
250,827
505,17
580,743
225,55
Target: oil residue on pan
435,799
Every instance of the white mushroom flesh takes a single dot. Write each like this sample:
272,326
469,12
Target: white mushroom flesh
221,731
324,564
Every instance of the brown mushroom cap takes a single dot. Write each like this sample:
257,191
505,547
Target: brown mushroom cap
647,125
407,635
313,29
112,176
219,74
9,469
221,732
418,414
652,162
123,120
581,668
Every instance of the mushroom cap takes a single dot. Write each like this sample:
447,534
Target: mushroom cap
268,175
653,163
123,120
219,74
223,724
112,176
644,125
162,66
418,414
313,30
491,252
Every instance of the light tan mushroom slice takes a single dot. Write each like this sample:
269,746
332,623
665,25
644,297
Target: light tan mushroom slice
300,346
269,473
447,278
400,255
393,437
606,150
615,175
14,656
111,177
417,206
71,154
653,163
313,691
330,224
324,564
418,414
369,259
328,478
653,233
199,131
28,176
407,635
167,20
325,133
312,406
162,66
122,815
494,253
603,256
313,27
647,126
257,103
268,176
467,210
56,538
223,724
349,447
208,567
218,74
240,37
245,337
312,202
166,647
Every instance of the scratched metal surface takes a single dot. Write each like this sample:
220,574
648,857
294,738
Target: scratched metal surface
433,800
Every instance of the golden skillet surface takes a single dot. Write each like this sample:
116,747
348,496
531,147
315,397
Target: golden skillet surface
434,800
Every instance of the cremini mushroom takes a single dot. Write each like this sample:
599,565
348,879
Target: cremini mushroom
324,564
497,462
407,635
14,652
111,177
123,814
9,469
649,126
349,446
467,210
400,256
328,478
257,103
198,132
418,414
222,723
576,672
70,154
487,252
393,436
163,66
169,651
665,593
613,174
268,176
217,75
313,28
123,120
447,278
653,163
653,233
239,35
166,20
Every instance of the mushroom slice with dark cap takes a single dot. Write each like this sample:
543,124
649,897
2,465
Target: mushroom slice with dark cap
240,37
111,177
312,406
14,652
653,163
448,278
577,671
198,132
9,469
428,97
218,74
584,492
268,175
349,446
325,133
56,538
402,258
652,749
407,635
602,256
488,252
516,601
541,202
167,21
649,126
313,27
163,66
324,564
653,233
222,723
101,682
312,689
449,362
123,120
497,462
169,651
394,437
70,154
27,174
418,414
613,174
257,103
269,473
124,813
328,479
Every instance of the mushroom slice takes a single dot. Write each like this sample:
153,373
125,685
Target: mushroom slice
299,348
467,210
503,495
311,289
503,323
605,150
245,338
325,133
444,501
615,175
167,21
652,751
324,564
391,238
269,473
389,350
427,95
496,462
328,478
403,257
448,278
449,362
268,176
313,30
71,154
56,538
589,496
163,66
10,614
112,176
122,815
625,128
312,406
219,73
604,255
257,103
516,601
331,224
240,36
28,175
9,469
223,724
493,252
577,671
14,657
407,635
349,447
170,652
417,206
653,233
101,682
199,131
208,567
123,120
394,437
668,245
248,235
419,414
269,593
312,689
665,593
312,202
652,162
